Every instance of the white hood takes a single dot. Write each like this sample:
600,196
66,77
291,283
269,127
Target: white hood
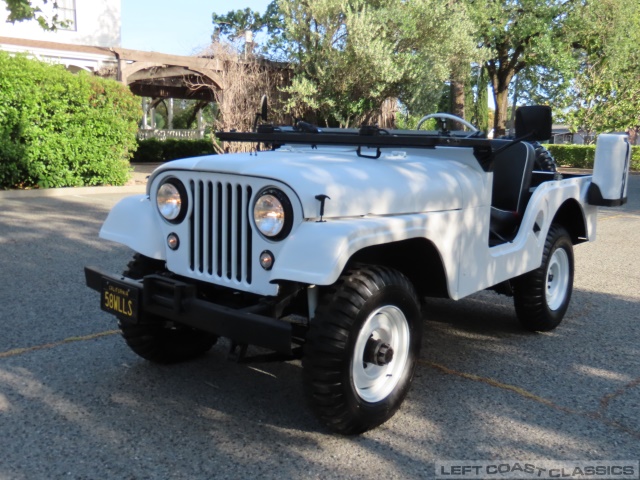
396,183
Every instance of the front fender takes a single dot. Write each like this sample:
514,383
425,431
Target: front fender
317,252
134,223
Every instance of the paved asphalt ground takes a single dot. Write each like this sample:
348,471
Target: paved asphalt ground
76,403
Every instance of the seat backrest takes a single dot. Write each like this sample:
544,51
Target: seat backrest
512,170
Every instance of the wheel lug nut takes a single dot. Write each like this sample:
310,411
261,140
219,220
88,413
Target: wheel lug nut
378,352
385,354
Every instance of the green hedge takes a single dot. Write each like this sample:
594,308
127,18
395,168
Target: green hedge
153,150
582,156
59,129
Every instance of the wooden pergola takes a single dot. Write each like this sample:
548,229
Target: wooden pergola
153,75
159,75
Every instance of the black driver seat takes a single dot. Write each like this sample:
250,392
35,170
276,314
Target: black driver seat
512,170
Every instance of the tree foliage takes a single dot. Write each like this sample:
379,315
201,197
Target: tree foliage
42,11
605,93
233,25
580,57
479,107
60,129
517,34
349,56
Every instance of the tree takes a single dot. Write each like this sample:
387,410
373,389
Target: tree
349,57
605,93
479,106
245,81
517,34
234,24
24,10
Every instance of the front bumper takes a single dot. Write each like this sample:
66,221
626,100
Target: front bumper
176,301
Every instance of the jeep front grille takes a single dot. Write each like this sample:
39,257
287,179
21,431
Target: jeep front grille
220,232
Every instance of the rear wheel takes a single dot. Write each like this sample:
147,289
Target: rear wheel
154,338
544,161
362,349
542,296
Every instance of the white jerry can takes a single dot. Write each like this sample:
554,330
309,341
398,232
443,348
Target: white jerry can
610,171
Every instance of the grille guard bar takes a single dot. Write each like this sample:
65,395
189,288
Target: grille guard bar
176,301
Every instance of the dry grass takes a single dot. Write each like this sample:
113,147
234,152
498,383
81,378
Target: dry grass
244,81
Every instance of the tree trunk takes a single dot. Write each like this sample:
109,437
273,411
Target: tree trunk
514,106
457,97
501,73
501,98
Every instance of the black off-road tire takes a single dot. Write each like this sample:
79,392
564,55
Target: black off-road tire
542,296
544,161
333,363
140,266
154,338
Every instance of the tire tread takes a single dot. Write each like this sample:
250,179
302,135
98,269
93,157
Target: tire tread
529,293
326,349
153,339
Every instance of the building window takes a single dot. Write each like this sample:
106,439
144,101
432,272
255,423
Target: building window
66,12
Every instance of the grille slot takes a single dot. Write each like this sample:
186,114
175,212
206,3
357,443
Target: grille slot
220,232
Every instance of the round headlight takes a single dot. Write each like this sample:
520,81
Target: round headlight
272,214
172,200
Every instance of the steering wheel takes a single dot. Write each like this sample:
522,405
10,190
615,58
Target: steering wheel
447,116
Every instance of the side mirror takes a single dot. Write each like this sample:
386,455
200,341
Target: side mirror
534,123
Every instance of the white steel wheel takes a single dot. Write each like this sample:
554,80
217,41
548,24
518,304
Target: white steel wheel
362,349
557,279
542,296
380,353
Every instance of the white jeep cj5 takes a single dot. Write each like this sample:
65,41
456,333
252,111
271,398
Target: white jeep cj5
320,245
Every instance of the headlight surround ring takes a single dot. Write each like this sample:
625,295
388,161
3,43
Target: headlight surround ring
273,214
172,200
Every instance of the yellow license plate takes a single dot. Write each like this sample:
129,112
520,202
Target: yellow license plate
120,299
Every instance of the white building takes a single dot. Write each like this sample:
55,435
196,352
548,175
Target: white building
94,27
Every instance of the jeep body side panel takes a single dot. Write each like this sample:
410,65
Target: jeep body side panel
317,252
482,267
460,236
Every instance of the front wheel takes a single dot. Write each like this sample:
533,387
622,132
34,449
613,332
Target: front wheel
154,338
362,349
164,342
542,296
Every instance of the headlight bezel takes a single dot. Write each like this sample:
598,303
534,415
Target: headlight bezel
184,200
287,208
